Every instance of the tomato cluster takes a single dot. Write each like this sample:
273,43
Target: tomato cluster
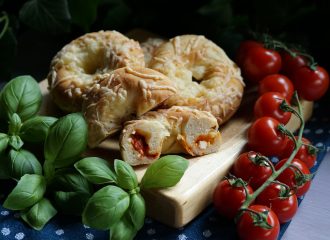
276,201
262,65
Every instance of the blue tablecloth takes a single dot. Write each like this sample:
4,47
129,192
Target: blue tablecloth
208,225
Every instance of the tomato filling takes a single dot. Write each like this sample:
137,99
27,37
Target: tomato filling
140,145
203,141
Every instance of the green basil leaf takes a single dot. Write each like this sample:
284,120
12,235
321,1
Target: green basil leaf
69,180
165,172
137,210
71,203
4,139
105,207
46,15
39,214
85,14
15,142
28,191
23,162
15,124
21,95
123,230
66,140
126,177
96,170
35,129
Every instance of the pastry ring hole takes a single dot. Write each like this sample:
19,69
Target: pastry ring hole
94,63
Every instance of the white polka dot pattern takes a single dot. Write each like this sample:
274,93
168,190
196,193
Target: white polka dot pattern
207,233
5,231
4,213
182,237
151,231
89,236
19,236
59,232
319,131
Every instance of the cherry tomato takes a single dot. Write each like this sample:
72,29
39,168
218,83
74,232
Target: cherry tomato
269,104
260,62
249,167
229,196
277,83
243,49
285,207
291,177
264,137
292,63
311,85
305,153
248,230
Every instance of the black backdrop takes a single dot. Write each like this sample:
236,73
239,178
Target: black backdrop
30,46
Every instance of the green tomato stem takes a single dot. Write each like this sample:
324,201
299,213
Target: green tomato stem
251,197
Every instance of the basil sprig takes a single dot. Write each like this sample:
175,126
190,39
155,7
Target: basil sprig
20,101
63,183
125,215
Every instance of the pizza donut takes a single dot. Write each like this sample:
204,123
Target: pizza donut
206,79
73,70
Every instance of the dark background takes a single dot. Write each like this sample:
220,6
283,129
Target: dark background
40,28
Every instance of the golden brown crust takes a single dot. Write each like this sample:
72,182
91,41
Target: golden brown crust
74,68
218,87
121,95
173,130
149,47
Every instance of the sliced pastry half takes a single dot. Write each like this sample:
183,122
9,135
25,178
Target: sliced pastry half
173,130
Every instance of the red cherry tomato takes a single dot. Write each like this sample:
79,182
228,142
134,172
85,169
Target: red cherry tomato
277,83
260,62
243,49
311,85
292,63
248,230
268,105
305,154
228,197
291,177
264,137
248,167
285,207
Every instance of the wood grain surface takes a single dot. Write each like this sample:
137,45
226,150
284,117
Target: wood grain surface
178,205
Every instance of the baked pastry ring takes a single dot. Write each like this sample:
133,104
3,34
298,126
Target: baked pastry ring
121,95
74,68
149,47
173,130
205,77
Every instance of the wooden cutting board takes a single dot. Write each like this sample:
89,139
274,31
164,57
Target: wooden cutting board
178,205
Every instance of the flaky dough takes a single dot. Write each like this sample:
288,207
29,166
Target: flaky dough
149,47
120,96
205,77
74,68
173,130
